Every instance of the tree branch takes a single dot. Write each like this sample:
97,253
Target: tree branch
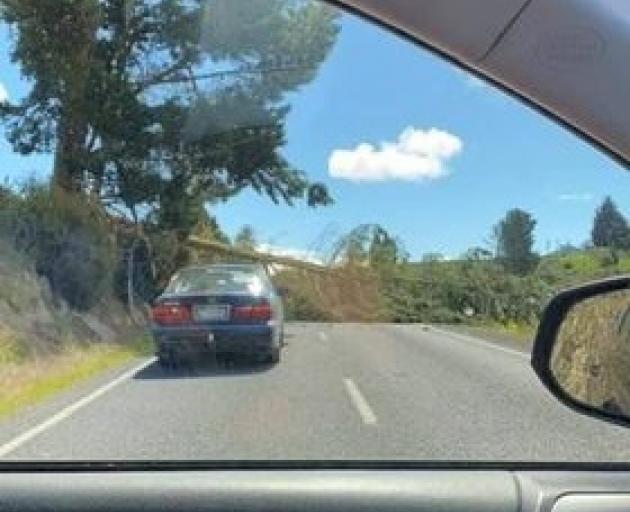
162,78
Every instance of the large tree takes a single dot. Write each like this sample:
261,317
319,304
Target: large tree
610,228
369,244
165,105
514,235
246,239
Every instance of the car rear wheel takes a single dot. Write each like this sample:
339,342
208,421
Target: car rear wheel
162,359
274,355
167,359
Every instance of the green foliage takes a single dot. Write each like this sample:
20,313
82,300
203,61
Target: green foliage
370,245
460,291
565,269
384,249
610,228
514,235
168,255
208,228
477,254
34,381
122,93
246,239
9,202
300,306
478,291
13,350
68,238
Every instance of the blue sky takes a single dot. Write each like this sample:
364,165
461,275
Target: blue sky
374,86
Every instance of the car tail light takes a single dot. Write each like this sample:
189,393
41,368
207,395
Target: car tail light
258,313
171,314
261,312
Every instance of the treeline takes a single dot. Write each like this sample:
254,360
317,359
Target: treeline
510,282
144,138
507,283
72,241
610,227
89,255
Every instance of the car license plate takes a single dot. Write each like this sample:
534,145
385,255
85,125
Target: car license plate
211,313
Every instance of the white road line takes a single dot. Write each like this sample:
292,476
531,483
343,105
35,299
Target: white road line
65,413
360,403
323,336
477,341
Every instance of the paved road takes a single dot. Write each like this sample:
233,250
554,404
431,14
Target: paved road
341,392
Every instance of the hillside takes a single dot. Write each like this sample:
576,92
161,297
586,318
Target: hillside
45,347
467,292
38,323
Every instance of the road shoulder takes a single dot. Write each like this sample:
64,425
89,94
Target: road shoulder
488,335
24,419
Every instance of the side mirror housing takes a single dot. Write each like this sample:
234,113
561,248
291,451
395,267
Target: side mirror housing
582,349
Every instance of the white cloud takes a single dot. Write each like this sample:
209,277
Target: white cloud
416,155
584,197
4,95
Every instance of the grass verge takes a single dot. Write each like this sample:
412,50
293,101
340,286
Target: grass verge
520,335
29,382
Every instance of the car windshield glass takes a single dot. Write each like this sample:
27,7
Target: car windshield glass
283,232
214,281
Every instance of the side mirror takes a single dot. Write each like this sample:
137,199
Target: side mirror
283,291
582,349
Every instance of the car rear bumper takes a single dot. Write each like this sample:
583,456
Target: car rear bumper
228,339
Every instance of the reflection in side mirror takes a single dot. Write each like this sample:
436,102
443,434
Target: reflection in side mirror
582,351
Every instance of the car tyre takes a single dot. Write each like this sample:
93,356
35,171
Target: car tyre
274,355
164,360
168,359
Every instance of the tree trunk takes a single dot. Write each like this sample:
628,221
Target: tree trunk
72,130
70,148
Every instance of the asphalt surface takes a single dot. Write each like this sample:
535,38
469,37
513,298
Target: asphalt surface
341,392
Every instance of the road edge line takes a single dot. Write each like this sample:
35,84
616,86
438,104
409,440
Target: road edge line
66,412
481,342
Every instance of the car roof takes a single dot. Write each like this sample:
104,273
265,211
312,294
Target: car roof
236,267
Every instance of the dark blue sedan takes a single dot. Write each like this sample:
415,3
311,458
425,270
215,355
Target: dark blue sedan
229,310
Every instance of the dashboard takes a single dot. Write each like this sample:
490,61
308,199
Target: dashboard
317,490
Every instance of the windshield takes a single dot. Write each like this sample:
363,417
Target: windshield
214,280
160,156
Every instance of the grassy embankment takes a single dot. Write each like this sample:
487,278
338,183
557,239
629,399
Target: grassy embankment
556,271
474,297
26,381
521,335
46,348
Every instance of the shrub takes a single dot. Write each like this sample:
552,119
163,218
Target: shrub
301,307
9,202
168,254
68,238
456,291
145,285
347,293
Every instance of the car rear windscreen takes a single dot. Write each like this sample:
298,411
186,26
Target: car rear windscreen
215,281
